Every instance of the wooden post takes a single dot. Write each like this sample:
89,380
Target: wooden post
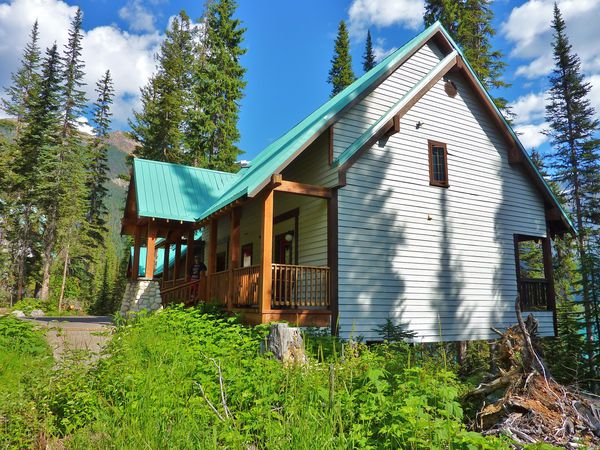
189,255
137,243
212,253
234,252
166,261
549,275
150,250
177,258
332,258
266,255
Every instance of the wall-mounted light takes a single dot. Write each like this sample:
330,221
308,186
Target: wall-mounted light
289,237
419,124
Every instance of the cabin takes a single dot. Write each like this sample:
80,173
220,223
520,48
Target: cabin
407,197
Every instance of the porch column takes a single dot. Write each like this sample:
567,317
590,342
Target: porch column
150,250
166,260
212,252
189,255
549,275
234,251
177,258
332,258
137,243
266,255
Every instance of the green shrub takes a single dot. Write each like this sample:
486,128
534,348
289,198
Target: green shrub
29,304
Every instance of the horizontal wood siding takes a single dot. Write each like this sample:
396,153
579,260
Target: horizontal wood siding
439,260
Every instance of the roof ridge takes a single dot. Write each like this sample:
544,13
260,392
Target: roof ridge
153,161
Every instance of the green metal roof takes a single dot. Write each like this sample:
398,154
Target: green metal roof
172,191
184,193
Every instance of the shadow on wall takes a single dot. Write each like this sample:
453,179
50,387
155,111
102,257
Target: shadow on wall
369,241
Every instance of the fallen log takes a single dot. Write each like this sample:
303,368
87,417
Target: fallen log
529,406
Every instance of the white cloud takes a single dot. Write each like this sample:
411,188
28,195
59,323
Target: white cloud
137,16
528,28
531,136
129,56
84,126
529,108
384,13
380,51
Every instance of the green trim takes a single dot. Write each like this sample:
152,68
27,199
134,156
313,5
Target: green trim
406,98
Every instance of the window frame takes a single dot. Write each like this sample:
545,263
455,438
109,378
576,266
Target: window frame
432,180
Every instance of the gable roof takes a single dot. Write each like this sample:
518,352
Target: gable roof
210,190
172,191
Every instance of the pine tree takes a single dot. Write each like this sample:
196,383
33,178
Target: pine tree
576,154
341,74
469,22
161,126
218,89
369,56
98,168
24,81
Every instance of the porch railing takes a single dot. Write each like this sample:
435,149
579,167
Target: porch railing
245,286
180,291
534,294
219,287
300,287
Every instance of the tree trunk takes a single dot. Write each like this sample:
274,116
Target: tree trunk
49,242
64,280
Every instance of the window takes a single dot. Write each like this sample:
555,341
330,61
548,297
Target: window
438,164
247,255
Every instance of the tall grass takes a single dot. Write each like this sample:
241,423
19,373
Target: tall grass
186,379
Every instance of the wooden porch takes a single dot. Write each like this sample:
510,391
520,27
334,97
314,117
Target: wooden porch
271,288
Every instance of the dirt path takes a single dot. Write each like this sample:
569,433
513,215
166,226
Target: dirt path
76,333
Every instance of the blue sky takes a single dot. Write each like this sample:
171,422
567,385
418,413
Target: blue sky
290,46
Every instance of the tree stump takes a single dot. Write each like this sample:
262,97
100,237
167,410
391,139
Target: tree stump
286,344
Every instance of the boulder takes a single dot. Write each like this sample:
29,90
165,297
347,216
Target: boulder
37,313
18,313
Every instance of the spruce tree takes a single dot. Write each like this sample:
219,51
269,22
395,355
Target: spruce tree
469,22
218,89
98,168
369,57
24,81
341,74
160,127
575,154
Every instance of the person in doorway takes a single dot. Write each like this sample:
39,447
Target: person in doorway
198,267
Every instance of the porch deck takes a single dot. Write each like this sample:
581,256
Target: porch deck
298,294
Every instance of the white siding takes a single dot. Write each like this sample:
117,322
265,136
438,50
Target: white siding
439,260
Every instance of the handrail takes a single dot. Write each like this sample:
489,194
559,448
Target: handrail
180,286
299,266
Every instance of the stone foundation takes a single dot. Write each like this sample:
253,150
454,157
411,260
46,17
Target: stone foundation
141,294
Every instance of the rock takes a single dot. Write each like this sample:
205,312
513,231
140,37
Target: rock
18,313
286,343
37,313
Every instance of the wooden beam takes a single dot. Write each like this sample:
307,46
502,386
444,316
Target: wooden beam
189,254
212,246
515,156
276,179
177,258
150,250
137,243
549,275
266,255
166,255
310,190
332,259
234,251
394,129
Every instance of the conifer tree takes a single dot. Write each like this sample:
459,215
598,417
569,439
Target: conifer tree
218,89
576,153
160,127
98,168
369,57
24,81
341,74
469,22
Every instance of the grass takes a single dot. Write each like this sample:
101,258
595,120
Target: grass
188,378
